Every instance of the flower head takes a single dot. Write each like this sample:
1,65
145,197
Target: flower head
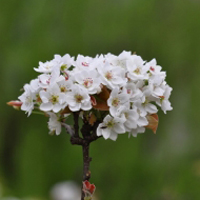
121,92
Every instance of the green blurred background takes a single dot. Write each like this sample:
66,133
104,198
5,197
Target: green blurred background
165,166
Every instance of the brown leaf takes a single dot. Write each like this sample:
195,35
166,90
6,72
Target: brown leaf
66,110
101,105
104,94
92,119
153,122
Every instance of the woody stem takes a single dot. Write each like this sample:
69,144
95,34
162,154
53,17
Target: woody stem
86,164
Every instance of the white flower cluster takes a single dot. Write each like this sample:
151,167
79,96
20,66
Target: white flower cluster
120,91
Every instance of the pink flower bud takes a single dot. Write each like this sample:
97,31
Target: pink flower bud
15,104
88,188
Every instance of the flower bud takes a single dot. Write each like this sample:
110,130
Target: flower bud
15,104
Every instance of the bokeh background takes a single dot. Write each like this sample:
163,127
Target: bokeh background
165,166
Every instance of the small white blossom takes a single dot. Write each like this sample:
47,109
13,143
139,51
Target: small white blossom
135,132
52,99
110,128
78,99
64,62
54,124
164,100
45,67
136,68
27,99
88,79
112,76
117,98
130,117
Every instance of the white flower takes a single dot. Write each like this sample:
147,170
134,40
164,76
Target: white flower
64,62
34,85
83,62
78,99
52,99
64,85
133,91
145,107
120,60
45,67
153,90
45,80
130,117
136,68
110,128
27,99
156,76
134,132
164,100
112,76
88,79
117,98
54,124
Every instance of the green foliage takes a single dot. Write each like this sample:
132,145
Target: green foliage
165,166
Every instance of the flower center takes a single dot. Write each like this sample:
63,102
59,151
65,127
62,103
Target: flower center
88,82
152,69
63,67
137,71
162,98
128,91
85,64
63,89
54,99
110,124
108,75
28,99
78,98
115,102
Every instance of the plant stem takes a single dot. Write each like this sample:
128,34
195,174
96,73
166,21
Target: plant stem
88,135
86,164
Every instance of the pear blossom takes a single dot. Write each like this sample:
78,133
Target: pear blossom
45,67
64,62
133,91
64,85
112,76
164,100
119,60
83,62
136,68
117,98
88,79
78,99
146,107
52,99
54,124
27,99
130,117
136,131
156,76
121,92
110,128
